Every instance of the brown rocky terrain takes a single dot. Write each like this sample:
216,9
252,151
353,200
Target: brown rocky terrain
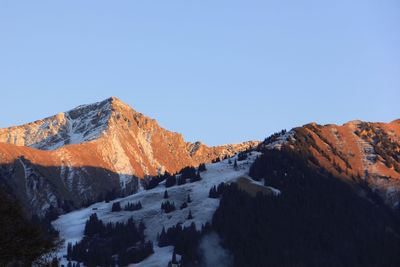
368,153
78,155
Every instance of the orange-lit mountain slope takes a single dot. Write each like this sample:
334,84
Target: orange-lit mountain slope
92,149
361,151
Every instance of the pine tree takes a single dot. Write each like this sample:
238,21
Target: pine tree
168,207
196,177
170,181
181,180
116,207
166,194
190,217
235,165
54,262
174,261
216,191
162,238
93,226
202,167
189,200
69,251
213,192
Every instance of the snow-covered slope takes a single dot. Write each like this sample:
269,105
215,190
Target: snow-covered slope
71,225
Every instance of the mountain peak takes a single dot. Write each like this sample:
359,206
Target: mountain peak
81,124
105,105
118,104
116,101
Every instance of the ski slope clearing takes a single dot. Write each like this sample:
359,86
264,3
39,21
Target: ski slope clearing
71,225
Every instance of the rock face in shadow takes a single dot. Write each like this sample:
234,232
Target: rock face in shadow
105,144
43,188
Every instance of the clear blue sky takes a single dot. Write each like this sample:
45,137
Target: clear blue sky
216,71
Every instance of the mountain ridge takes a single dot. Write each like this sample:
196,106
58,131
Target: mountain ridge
118,145
109,137
96,153
365,152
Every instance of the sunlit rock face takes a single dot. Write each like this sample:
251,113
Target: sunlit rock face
360,151
76,156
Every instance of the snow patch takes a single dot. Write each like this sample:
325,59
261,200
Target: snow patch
281,140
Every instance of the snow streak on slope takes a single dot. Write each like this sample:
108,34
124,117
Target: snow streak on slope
71,225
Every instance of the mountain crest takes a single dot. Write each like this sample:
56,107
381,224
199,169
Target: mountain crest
97,147
81,124
84,123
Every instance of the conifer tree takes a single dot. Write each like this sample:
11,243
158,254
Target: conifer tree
202,167
116,207
162,238
190,217
69,251
174,261
54,262
170,181
213,192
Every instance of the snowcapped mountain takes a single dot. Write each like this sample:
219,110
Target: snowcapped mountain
85,160
76,157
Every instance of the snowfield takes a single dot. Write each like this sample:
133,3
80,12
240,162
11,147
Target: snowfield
71,225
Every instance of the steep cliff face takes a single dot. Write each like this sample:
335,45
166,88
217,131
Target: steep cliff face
77,155
368,153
